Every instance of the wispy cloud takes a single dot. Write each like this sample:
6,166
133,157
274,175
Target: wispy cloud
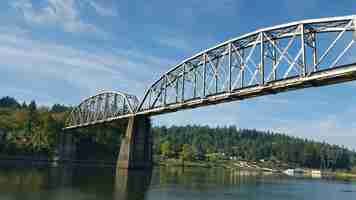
14,30
182,43
63,13
334,129
102,9
85,71
211,7
175,42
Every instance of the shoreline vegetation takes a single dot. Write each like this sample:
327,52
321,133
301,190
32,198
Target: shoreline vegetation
255,168
32,132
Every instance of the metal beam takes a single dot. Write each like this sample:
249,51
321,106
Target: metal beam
354,27
278,59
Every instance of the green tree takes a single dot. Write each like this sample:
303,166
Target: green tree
58,108
32,117
166,149
9,102
186,154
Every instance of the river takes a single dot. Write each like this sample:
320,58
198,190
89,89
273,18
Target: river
165,183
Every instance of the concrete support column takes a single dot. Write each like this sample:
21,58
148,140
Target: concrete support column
136,147
66,147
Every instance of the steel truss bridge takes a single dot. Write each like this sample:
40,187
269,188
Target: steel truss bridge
281,58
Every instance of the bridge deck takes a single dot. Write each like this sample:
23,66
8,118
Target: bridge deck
307,53
321,78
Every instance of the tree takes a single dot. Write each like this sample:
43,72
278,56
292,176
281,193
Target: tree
24,105
32,106
9,102
250,145
32,116
186,154
343,161
58,108
166,150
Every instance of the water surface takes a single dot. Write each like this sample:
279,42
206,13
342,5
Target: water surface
86,183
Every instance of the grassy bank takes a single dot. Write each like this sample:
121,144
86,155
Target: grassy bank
345,176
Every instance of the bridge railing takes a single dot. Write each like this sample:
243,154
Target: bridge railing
259,58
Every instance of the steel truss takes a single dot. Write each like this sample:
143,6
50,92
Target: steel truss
290,56
253,60
101,108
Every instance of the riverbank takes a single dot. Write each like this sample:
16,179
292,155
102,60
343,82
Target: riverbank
257,167
260,167
227,164
345,176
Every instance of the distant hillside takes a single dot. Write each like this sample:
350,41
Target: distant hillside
252,145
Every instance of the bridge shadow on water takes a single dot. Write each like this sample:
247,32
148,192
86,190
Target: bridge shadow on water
72,182
132,184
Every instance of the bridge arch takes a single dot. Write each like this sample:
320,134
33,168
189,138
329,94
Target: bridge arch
285,57
254,60
102,107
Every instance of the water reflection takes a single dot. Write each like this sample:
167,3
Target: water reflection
132,184
164,183
73,182
189,177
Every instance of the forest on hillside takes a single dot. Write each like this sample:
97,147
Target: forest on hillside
29,129
250,145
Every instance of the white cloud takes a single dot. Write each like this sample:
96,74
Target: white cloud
86,71
175,42
194,8
330,128
187,45
14,30
103,10
55,12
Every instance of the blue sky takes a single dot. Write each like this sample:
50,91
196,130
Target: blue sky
61,51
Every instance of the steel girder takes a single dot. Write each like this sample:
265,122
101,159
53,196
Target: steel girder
101,108
280,58
298,49
354,32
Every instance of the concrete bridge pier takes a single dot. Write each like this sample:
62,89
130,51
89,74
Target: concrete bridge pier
66,147
136,146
